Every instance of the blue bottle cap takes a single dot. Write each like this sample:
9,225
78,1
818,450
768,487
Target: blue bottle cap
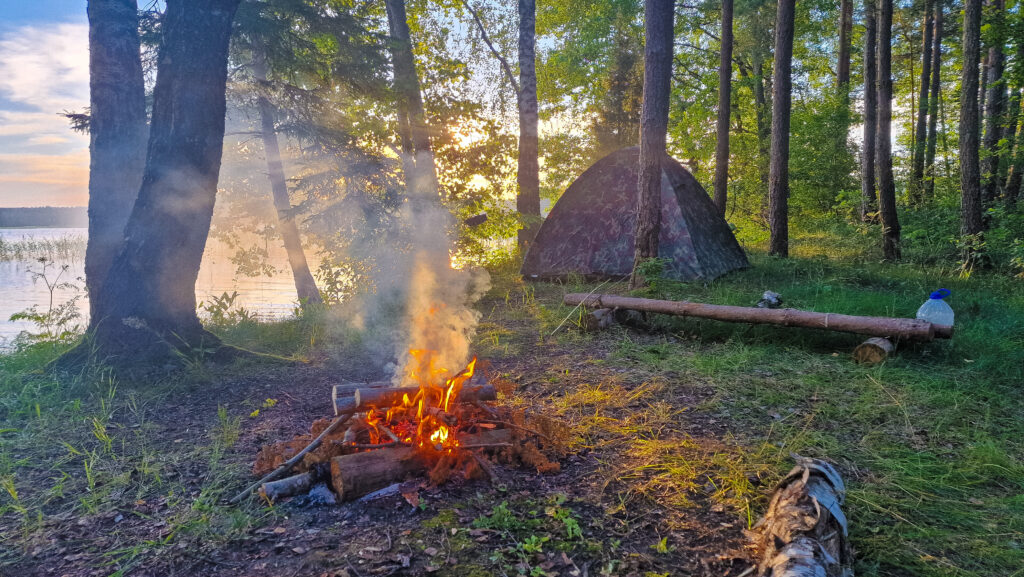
940,294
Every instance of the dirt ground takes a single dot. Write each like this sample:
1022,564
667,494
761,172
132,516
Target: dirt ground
636,495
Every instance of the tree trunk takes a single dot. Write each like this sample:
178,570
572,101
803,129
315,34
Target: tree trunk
995,109
1016,170
117,135
845,31
883,144
407,85
528,173
305,286
658,33
868,202
935,94
148,303
921,142
970,173
778,176
763,122
724,95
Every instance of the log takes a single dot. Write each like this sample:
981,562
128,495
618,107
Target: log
274,491
341,395
804,532
355,475
873,351
906,329
363,399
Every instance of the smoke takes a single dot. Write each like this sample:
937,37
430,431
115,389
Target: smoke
417,317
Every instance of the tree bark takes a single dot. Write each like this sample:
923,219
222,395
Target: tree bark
149,302
407,85
528,173
117,135
305,286
658,33
970,173
778,176
869,199
995,109
883,143
724,95
763,110
921,142
845,32
1016,169
935,94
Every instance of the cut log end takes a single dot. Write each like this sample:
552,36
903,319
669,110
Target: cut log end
873,351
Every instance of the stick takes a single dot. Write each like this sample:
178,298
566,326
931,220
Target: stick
909,329
287,465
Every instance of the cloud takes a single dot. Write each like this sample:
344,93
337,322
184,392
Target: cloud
44,70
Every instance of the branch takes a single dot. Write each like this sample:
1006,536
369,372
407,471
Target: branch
487,40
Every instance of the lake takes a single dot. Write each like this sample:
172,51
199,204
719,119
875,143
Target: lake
269,296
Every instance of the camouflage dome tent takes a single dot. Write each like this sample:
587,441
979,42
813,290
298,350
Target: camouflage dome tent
590,229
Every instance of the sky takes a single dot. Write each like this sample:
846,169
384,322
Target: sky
44,70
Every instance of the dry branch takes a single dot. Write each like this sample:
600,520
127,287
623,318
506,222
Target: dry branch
804,531
363,399
906,329
276,490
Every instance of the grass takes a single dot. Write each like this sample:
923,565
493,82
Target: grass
931,441
68,248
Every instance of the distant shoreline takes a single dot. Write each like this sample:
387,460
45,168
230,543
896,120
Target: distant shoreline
44,217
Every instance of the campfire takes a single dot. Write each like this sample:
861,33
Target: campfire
442,426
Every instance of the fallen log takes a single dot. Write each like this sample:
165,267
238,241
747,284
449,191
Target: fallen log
355,475
363,399
873,351
904,329
804,532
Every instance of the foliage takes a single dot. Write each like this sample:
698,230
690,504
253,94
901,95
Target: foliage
57,324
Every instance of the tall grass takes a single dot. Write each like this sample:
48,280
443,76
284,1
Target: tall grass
63,249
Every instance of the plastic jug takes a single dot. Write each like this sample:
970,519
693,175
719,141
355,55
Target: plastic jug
935,310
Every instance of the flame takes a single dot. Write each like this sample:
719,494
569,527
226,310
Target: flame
423,418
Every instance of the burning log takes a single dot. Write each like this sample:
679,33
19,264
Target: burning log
873,351
804,531
355,475
905,329
380,397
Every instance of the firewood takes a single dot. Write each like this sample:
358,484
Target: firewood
363,399
597,319
355,475
276,490
287,466
905,329
873,351
341,395
804,532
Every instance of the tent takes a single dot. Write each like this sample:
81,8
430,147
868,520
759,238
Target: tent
590,230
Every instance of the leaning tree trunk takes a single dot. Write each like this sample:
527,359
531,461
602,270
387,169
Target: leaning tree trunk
994,111
868,196
724,94
658,32
528,173
117,135
149,300
933,105
970,173
883,144
778,179
407,86
920,144
305,286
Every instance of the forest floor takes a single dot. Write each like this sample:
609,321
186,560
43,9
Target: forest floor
678,433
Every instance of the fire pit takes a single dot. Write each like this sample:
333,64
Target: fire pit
439,427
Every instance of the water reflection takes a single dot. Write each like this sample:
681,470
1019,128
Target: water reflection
269,296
